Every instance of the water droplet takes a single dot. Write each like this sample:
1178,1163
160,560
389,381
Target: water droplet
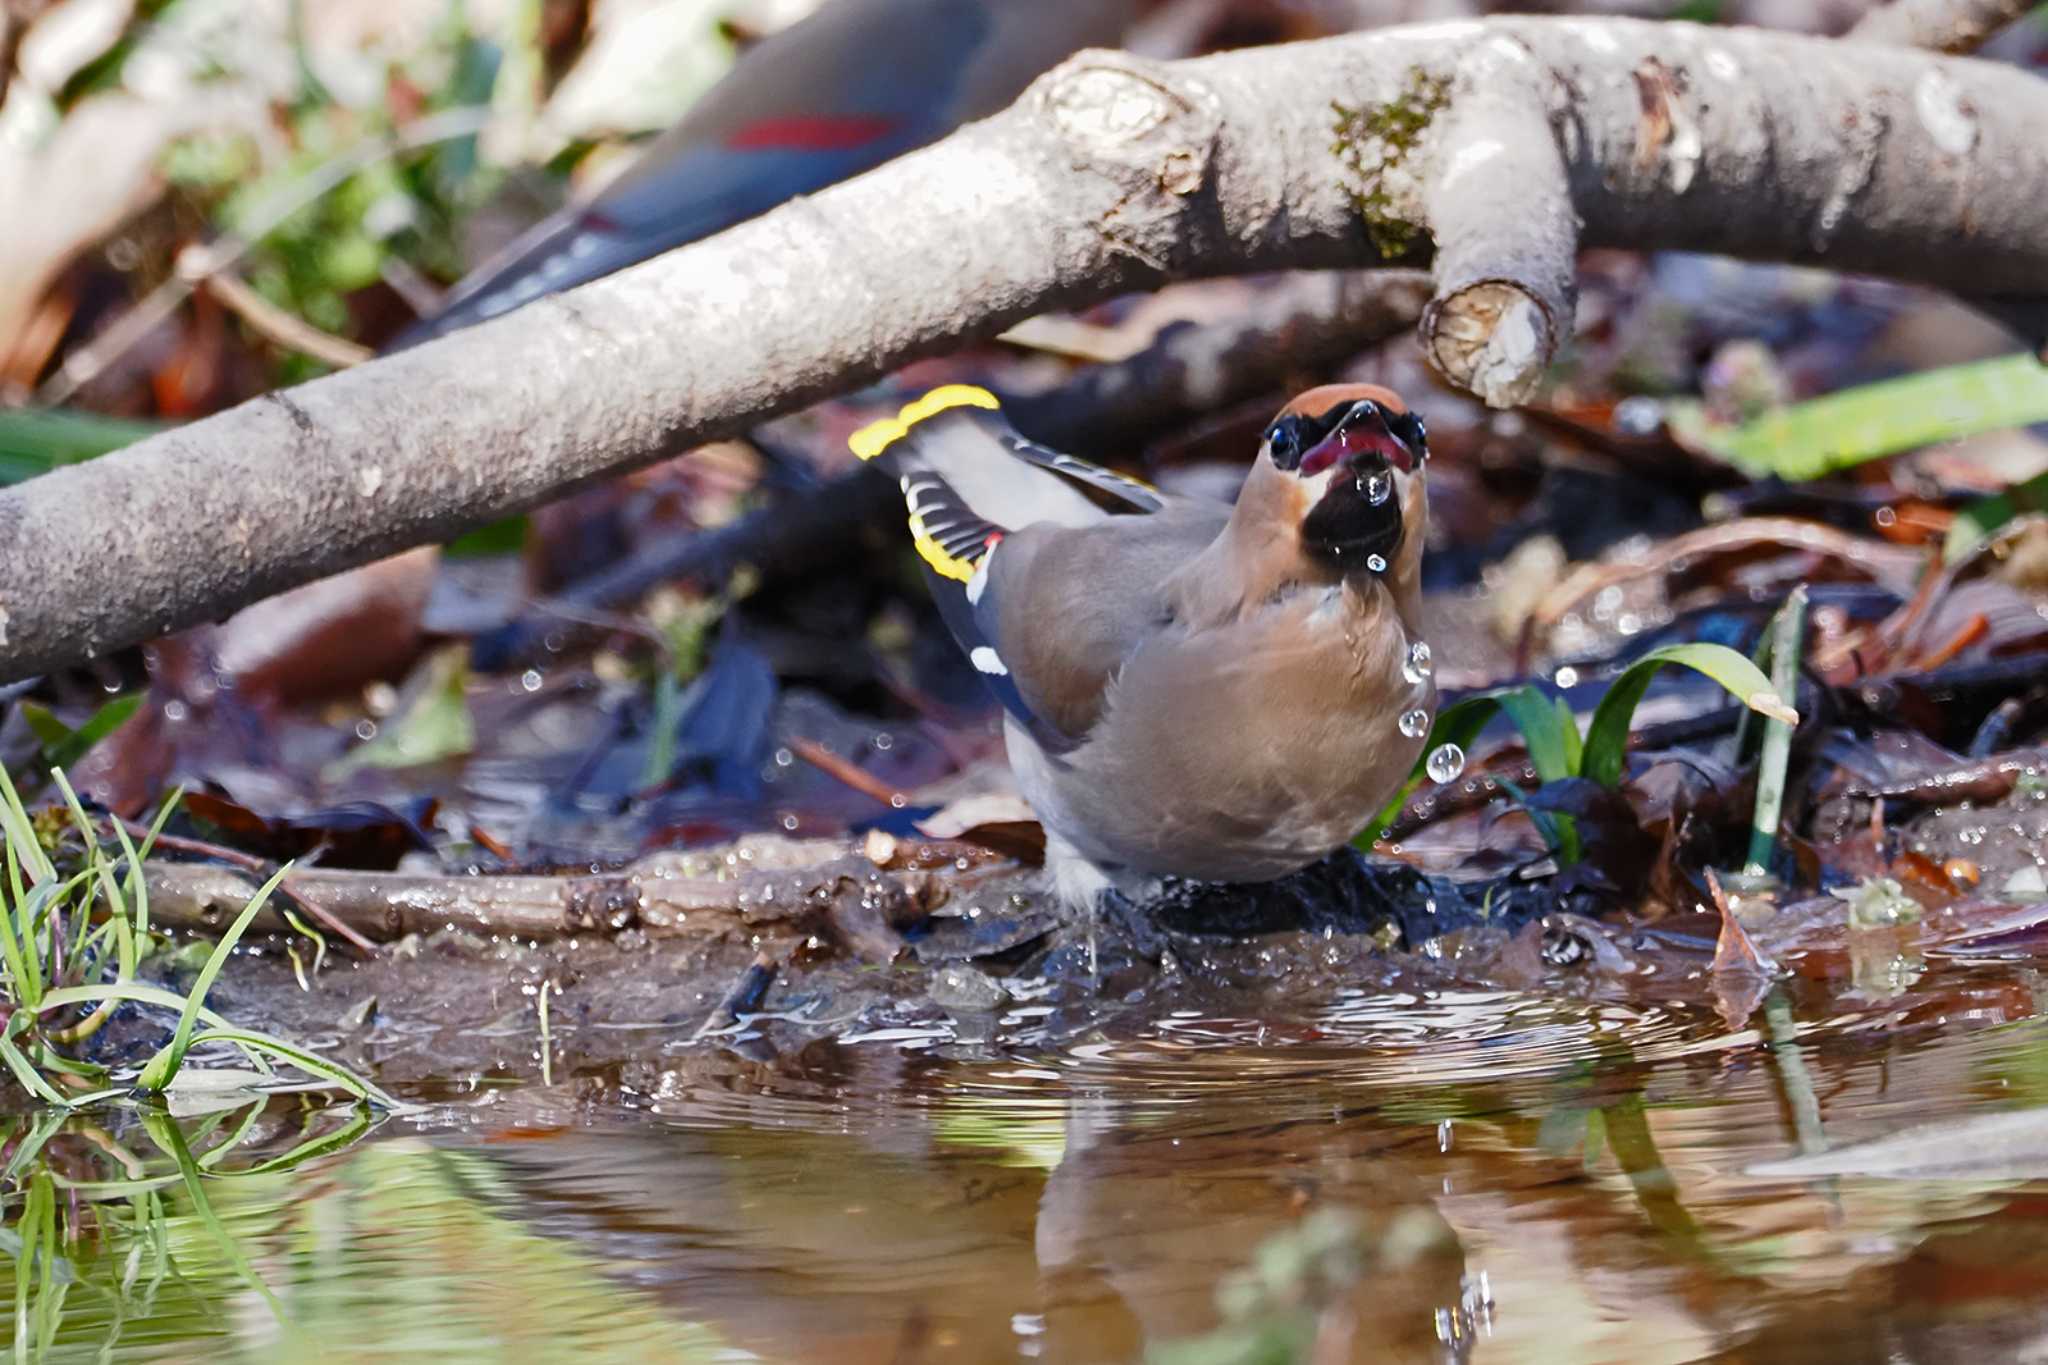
531,680
1377,488
1415,724
1417,666
1376,563
1446,761
175,710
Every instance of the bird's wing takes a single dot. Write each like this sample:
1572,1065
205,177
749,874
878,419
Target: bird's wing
985,505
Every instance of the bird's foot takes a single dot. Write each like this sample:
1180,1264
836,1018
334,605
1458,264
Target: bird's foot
1118,949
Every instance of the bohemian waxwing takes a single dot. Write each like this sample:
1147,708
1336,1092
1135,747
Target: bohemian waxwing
856,83
1191,689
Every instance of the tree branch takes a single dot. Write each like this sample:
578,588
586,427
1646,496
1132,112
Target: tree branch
1940,25
1111,174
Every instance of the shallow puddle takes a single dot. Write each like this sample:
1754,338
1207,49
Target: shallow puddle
1462,1176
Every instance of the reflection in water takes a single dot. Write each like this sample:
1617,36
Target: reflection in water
1478,1177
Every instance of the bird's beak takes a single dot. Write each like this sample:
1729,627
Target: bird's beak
1362,433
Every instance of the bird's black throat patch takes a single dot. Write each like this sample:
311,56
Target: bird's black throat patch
1349,526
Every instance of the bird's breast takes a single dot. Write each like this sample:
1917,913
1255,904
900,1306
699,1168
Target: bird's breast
1243,753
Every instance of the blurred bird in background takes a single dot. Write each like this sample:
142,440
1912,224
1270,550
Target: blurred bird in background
855,84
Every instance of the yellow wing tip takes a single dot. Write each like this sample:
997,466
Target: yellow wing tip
934,554
877,436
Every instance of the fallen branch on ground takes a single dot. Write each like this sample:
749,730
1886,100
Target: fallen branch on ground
1508,143
756,886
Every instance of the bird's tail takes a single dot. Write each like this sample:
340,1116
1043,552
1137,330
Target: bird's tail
932,447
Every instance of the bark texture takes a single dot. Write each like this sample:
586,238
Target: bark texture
1939,25
1111,174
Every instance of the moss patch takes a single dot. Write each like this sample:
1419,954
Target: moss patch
1373,143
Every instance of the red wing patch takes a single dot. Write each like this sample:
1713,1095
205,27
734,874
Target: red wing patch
811,133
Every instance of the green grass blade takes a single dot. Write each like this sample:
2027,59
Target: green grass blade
1788,636
45,1128
127,990
101,868
24,1071
95,857
170,1140
225,1148
35,441
22,939
309,1062
63,746
1811,439
164,1065
135,881
318,1145
24,969
37,1228
1606,744
21,835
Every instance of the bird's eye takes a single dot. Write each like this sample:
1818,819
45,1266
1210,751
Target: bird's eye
1283,443
1408,428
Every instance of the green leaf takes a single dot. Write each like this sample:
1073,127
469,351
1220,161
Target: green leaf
64,746
436,726
503,537
1543,730
164,1065
1558,831
1551,732
1607,737
1811,439
1975,523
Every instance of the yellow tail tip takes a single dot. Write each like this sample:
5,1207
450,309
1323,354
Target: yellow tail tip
876,437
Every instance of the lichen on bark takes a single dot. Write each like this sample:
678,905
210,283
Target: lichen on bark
1373,145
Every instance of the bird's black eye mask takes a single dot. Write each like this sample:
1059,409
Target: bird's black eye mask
1309,445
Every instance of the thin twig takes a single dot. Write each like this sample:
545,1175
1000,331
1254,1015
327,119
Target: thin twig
276,325
854,776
